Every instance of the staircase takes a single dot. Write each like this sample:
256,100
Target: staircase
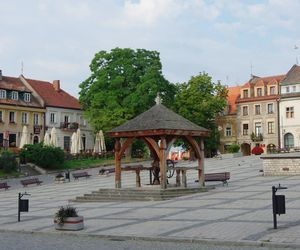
137,194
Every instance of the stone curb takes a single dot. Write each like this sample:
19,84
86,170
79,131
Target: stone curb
215,242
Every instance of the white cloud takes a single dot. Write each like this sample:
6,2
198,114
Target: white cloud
150,12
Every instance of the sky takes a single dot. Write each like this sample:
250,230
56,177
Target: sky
228,39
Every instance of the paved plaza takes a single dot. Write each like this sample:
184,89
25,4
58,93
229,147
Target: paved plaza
240,212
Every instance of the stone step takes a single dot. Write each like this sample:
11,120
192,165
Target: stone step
138,194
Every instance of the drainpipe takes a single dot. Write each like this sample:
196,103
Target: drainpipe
278,123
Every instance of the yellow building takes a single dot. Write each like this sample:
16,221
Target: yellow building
19,107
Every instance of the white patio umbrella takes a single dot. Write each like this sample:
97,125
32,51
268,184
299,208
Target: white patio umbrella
79,141
53,140
102,141
97,148
73,143
47,139
24,137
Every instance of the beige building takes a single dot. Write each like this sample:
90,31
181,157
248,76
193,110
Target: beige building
227,124
19,107
257,114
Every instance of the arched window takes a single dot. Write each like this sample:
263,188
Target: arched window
288,140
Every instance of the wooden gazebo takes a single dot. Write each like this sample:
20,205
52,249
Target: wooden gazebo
159,128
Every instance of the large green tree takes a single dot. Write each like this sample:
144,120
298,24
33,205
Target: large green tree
123,83
199,100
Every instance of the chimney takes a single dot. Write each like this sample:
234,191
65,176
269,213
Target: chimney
56,85
0,74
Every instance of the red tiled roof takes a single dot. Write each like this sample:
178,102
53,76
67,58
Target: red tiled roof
52,97
13,83
232,96
260,81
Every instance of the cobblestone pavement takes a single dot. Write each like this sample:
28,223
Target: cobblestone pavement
239,212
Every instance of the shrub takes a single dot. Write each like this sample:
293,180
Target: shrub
65,212
43,156
8,161
257,150
234,148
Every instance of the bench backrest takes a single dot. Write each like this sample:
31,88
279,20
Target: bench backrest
30,181
221,176
80,174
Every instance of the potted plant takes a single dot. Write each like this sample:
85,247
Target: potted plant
59,178
66,218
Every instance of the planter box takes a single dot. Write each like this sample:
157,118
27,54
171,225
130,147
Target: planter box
231,155
71,224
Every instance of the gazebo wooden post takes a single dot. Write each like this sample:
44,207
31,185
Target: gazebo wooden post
201,173
162,162
117,163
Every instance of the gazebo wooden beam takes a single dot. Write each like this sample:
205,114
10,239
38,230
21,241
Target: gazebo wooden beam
200,156
159,132
154,145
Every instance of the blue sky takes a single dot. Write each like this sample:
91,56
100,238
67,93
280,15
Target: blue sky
58,39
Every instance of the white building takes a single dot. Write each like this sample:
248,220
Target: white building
63,112
289,109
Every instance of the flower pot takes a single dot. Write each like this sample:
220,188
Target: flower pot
70,223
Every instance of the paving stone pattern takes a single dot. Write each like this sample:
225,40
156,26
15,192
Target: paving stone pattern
240,211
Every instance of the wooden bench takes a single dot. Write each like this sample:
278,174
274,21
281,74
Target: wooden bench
27,182
223,176
4,185
80,175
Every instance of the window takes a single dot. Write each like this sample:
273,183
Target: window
245,110
294,88
287,89
12,140
271,127
2,94
52,118
259,91
12,117
270,108
257,109
35,119
228,130
245,93
245,129
1,116
66,119
272,90
258,129
67,143
289,112
27,97
1,140
24,118
14,95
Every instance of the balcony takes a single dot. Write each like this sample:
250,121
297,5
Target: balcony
257,138
69,126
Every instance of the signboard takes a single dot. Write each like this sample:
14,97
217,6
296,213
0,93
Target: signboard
37,129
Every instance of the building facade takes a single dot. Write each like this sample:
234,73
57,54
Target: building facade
289,109
226,121
19,107
63,112
257,114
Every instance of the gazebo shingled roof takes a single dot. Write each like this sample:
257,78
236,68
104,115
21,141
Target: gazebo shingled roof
159,124
158,118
